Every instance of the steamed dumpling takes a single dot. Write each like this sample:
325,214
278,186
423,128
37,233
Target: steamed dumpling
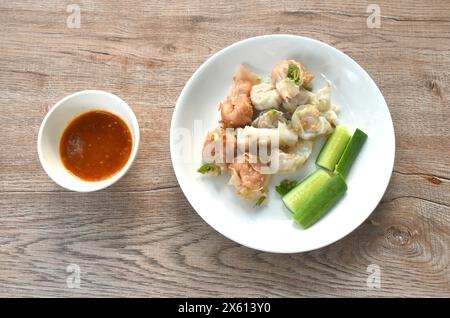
303,97
289,76
309,124
323,99
283,135
265,96
249,135
295,157
281,70
269,119
331,117
287,89
287,136
247,177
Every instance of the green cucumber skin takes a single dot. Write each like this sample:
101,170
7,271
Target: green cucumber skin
297,196
351,152
320,201
333,149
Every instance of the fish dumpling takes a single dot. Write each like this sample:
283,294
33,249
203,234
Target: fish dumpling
295,157
303,97
287,136
323,98
265,96
309,124
269,119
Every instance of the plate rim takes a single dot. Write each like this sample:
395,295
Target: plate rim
215,56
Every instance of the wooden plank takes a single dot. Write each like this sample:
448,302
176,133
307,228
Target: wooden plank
151,243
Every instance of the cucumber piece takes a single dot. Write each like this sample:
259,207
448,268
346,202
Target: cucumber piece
297,197
321,201
333,149
350,153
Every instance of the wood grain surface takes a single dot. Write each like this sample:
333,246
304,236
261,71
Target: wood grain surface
141,237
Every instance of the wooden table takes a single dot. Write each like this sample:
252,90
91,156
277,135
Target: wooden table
141,237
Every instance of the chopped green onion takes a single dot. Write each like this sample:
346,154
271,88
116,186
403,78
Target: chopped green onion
294,73
209,167
260,201
285,186
289,81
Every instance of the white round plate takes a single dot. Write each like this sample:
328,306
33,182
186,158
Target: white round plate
271,228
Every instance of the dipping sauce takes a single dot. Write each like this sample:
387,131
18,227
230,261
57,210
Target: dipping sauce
96,145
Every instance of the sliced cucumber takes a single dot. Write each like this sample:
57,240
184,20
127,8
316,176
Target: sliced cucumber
295,198
350,153
333,149
321,201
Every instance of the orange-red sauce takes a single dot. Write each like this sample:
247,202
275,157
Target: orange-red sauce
96,145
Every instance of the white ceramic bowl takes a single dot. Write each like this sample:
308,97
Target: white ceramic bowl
271,228
57,120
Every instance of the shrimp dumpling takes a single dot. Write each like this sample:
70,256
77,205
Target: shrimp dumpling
247,178
303,97
309,124
323,99
331,117
289,77
237,109
286,135
265,96
269,119
293,69
263,137
218,150
249,135
295,157
287,89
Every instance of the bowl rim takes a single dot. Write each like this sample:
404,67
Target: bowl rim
216,55
102,184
